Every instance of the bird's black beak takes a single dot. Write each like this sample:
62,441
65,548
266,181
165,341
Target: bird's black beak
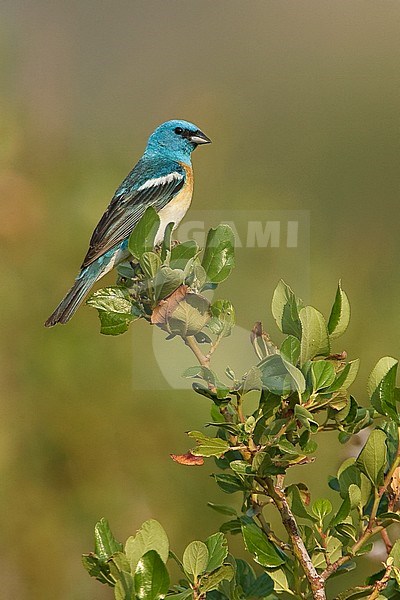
198,137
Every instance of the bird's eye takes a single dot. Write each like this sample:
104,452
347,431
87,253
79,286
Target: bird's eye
178,130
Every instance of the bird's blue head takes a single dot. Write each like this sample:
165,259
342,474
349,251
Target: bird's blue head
176,140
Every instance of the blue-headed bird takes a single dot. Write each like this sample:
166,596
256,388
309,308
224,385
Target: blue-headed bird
163,178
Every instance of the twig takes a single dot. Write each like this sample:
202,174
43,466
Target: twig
386,540
316,581
382,583
191,343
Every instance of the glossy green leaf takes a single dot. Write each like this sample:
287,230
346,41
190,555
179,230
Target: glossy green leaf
264,551
105,542
322,508
218,259
207,446
285,309
182,253
340,315
150,263
314,334
151,536
217,546
322,374
151,577
212,581
381,387
195,558
373,457
115,309
290,349
224,509
143,236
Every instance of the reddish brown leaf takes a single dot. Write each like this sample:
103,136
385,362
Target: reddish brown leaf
163,311
188,459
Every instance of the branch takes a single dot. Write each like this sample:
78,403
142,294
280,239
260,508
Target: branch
191,343
382,583
316,581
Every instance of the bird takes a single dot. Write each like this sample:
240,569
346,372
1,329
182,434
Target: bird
163,179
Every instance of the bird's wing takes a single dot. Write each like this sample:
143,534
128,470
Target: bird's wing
150,183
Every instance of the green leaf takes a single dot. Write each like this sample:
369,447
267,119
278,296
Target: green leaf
306,418
340,315
212,581
252,380
285,309
182,253
151,536
372,458
151,577
263,586
208,446
355,496
342,513
322,374
166,244
195,558
395,554
224,509
125,587
230,483
222,318
381,387
314,337
105,542
264,551
348,473
98,568
283,580
217,546
346,376
218,259
166,281
150,263
290,349
117,564
297,504
143,236
296,375
115,309
279,376
322,508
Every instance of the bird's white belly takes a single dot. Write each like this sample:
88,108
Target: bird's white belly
177,207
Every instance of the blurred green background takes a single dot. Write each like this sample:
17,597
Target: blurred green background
301,99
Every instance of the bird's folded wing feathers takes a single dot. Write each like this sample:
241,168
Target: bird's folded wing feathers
128,205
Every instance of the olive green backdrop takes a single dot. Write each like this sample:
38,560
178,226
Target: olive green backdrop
301,99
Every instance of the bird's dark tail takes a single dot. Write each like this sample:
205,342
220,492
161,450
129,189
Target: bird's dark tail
72,300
